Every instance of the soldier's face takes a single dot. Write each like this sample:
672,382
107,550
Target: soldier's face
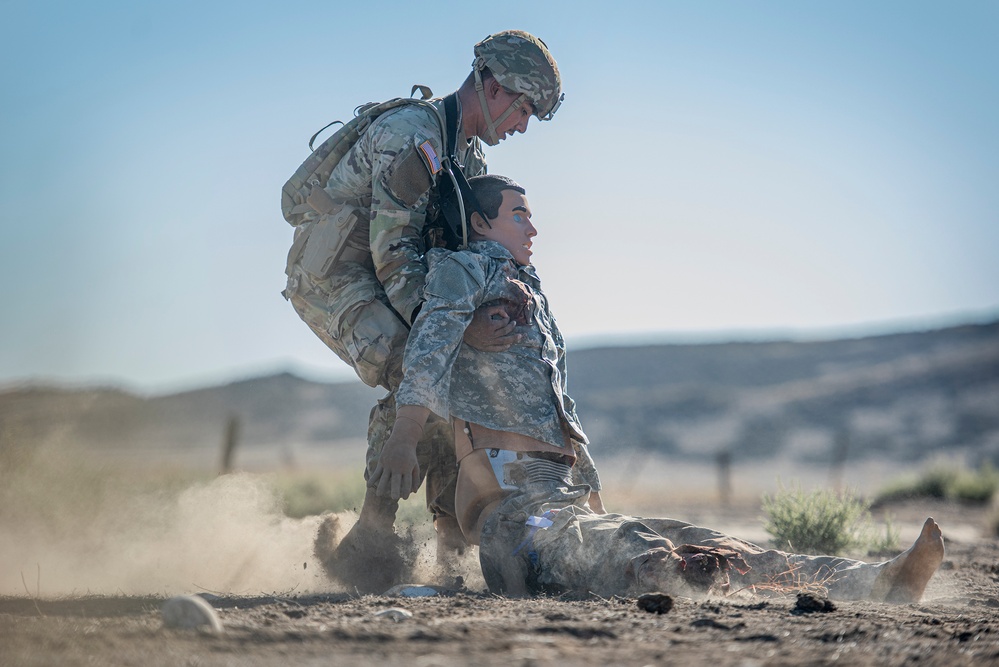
498,102
512,228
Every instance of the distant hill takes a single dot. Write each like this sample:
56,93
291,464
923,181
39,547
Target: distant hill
906,396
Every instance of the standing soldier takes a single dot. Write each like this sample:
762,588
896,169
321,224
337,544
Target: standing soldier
356,270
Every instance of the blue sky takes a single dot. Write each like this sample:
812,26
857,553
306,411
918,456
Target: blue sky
718,169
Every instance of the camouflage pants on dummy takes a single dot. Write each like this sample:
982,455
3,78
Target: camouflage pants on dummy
546,542
349,312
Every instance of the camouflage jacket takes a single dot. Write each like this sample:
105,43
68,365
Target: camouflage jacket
522,390
391,171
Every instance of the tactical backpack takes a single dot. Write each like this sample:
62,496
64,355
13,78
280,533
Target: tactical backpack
304,198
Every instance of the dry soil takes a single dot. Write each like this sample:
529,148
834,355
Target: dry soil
957,623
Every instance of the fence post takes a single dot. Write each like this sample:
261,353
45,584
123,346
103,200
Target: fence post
230,442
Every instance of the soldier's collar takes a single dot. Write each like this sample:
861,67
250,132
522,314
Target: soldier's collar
490,249
496,250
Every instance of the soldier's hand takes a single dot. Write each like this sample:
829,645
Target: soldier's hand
491,330
397,473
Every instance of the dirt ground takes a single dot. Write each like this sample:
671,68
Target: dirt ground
957,623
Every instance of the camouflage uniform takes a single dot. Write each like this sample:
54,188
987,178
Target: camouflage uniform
541,540
363,309
521,390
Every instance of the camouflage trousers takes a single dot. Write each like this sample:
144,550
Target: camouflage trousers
549,543
350,313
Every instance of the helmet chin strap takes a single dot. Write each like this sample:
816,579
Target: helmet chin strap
491,125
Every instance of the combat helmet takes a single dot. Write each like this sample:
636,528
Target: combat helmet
519,62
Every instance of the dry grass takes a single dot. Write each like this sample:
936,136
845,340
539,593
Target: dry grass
789,583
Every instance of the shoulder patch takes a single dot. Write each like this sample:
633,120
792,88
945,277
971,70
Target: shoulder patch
409,179
429,155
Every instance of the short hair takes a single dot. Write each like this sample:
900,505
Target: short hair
488,190
484,74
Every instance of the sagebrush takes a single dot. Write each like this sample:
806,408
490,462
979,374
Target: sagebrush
824,522
947,482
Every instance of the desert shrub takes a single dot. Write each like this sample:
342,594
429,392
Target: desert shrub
944,482
823,522
978,486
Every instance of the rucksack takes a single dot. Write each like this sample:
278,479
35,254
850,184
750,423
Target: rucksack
303,198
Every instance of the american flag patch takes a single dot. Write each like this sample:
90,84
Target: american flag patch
431,156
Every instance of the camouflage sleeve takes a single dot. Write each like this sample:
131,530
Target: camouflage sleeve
570,409
401,178
584,470
454,289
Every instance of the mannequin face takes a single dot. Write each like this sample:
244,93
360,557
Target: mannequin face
512,227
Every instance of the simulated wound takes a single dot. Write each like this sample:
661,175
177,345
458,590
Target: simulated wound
517,301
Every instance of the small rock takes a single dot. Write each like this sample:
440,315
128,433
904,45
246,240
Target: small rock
190,612
808,603
394,614
655,603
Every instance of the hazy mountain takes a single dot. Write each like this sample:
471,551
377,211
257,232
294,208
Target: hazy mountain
906,396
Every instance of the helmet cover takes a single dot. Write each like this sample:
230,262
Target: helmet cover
521,62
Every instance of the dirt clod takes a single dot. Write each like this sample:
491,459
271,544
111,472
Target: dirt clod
808,603
655,603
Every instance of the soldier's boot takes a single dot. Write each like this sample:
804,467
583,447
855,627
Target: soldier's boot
450,539
377,513
370,558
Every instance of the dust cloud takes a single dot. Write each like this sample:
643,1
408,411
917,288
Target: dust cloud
70,527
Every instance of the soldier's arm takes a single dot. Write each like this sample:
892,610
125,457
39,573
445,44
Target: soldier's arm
400,190
454,290
430,354
397,473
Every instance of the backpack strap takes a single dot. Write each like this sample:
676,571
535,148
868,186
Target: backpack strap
451,118
458,188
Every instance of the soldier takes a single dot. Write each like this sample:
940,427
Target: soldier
518,442
394,187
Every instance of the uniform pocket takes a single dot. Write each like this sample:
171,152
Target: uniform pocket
327,241
345,305
374,337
